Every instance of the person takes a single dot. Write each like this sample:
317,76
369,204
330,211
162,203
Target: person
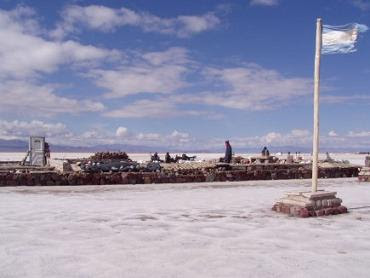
289,158
46,153
328,158
168,158
228,152
263,152
186,157
156,157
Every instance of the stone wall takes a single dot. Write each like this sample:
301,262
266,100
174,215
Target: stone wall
259,172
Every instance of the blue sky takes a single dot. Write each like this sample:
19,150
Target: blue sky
180,73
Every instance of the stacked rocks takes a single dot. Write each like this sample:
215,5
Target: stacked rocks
250,172
364,174
308,204
109,155
188,165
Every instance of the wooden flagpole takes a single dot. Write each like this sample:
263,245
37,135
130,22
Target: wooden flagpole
316,124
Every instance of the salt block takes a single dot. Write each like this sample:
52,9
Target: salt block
306,204
319,195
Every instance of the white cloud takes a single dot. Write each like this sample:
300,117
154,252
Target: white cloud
122,132
26,57
271,138
359,134
149,137
156,108
108,19
180,137
174,139
29,98
248,87
361,4
22,129
143,109
59,133
332,133
251,87
265,2
354,139
25,16
173,55
332,99
196,24
296,137
125,136
154,72
140,79
299,138
24,54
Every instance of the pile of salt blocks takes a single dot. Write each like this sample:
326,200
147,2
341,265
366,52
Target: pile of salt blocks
310,204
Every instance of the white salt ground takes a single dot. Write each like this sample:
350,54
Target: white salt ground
357,159
180,230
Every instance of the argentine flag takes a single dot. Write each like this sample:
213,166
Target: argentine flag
341,39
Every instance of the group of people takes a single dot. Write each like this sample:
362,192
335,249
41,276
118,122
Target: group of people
226,159
292,159
228,152
169,159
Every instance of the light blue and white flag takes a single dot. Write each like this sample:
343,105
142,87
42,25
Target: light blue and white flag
341,39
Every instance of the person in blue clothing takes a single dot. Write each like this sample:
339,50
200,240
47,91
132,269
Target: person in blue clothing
265,152
228,152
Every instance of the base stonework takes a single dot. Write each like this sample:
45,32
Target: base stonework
309,204
364,174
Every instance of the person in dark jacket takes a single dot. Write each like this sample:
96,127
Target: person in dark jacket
186,157
156,158
168,158
228,152
263,152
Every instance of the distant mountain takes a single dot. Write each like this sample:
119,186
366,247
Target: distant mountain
273,149
22,146
302,149
13,145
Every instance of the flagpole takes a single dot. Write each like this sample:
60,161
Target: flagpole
315,153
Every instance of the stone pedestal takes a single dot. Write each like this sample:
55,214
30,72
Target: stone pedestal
307,204
364,174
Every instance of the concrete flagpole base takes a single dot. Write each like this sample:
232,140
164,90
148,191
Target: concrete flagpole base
310,204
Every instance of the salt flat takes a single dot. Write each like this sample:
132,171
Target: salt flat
357,159
180,230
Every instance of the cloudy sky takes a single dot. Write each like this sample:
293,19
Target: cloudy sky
180,73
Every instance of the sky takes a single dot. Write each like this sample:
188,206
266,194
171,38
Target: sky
180,73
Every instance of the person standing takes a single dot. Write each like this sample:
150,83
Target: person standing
156,158
228,152
289,158
263,152
168,158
